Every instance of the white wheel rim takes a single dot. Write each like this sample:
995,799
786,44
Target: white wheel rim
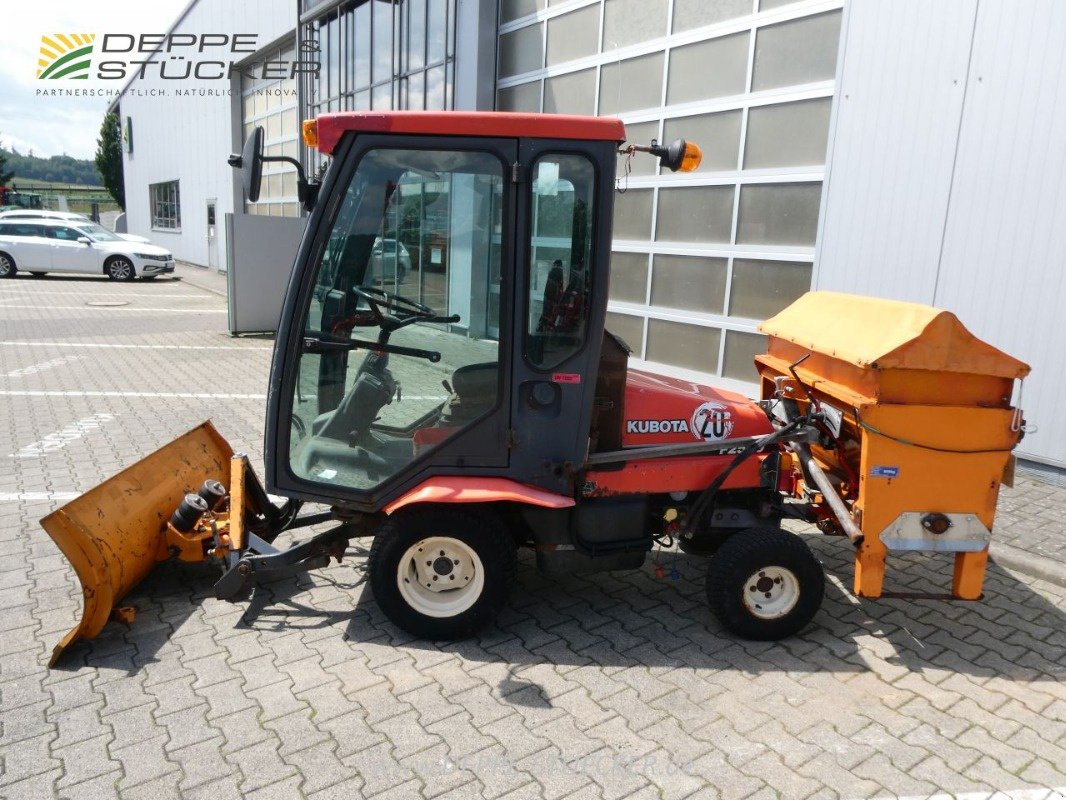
440,576
771,592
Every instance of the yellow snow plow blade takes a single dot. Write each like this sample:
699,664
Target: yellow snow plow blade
115,533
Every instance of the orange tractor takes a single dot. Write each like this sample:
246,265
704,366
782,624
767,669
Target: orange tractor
461,413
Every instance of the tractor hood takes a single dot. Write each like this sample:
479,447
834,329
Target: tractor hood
662,410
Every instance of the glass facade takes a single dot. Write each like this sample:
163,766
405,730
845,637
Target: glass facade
272,104
698,259
377,54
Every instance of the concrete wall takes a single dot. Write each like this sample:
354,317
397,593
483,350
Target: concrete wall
945,173
189,138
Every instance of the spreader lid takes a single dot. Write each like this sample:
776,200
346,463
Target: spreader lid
875,333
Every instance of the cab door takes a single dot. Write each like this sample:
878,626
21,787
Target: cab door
380,380
565,203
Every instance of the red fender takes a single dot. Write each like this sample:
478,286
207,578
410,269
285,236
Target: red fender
478,490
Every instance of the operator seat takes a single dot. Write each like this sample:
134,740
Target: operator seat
474,391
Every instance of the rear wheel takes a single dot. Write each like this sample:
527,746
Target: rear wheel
120,269
765,584
441,574
7,266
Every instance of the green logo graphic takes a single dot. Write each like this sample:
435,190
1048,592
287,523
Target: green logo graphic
65,55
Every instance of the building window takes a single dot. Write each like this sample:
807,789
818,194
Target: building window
166,206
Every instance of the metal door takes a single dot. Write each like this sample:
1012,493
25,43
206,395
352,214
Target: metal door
212,236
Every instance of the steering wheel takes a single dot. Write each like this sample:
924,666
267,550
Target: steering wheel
379,298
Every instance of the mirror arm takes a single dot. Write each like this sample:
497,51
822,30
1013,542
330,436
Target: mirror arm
290,160
306,193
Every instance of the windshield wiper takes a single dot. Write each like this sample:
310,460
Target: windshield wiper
324,343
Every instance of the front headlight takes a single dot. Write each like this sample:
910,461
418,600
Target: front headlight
152,257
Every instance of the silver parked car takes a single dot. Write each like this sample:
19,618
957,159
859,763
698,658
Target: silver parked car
39,246
389,262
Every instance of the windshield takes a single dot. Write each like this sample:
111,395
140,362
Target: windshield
412,264
98,233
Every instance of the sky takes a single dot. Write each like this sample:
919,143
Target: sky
51,126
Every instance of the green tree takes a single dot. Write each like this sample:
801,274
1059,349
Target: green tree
5,176
109,158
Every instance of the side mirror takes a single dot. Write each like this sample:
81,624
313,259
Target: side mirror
250,163
84,240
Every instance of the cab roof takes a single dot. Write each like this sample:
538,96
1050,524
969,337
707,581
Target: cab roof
331,127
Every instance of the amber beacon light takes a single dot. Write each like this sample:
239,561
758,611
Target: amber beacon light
678,156
310,132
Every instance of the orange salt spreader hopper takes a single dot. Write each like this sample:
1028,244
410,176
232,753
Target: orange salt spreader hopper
922,419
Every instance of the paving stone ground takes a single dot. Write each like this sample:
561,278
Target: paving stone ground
608,686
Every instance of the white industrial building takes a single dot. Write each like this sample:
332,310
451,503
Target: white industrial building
891,147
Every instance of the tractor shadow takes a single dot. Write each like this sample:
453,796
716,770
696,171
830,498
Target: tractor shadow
636,619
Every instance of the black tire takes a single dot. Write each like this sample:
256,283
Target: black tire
120,268
738,588
7,266
38,274
406,529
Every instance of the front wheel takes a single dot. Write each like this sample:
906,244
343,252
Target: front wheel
441,574
765,584
120,269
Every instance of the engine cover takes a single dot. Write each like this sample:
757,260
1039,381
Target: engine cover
663,410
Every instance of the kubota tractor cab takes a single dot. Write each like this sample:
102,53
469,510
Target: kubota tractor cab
474,403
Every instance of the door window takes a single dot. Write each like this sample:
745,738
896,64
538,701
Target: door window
65,234
399,355
560,258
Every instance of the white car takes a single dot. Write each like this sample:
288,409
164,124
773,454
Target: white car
67,216
41,213
42,245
